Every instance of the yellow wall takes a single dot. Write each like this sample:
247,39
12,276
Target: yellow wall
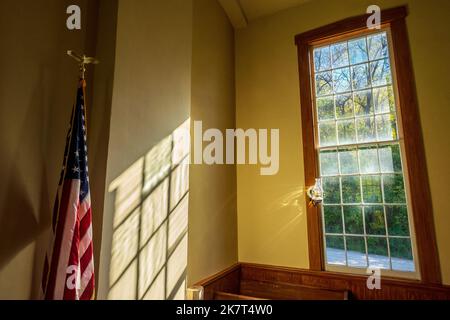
271,210
144,249
212,211
37,91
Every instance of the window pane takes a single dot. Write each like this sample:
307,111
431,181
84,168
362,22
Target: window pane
397,220
394,190
390,159
346,132
322,59
378,46
400,248
348,159
344,106
401,254
327,134
358,50
383,99
325,108
378,253
360,76
356,251
366,129
360,155
333,219
324,83
351,189
363,103
341,80
386,127
335,250
368,158
331,190
329,163
353,220
339,55
374,218
371,189
381,72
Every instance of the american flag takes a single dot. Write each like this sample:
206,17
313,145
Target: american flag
69,262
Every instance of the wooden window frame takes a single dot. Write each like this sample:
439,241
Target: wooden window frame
422,212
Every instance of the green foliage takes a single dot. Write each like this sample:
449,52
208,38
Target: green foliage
394,190
356,244
374,217
400,248
397,220
333,219
336,242
351,189
371,189
353,220
331,190
377,246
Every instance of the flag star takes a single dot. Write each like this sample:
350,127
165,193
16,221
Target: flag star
76,169
77,153
82,192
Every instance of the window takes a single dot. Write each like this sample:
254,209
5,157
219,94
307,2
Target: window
362,138
365,210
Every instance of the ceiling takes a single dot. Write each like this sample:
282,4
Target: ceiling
241,12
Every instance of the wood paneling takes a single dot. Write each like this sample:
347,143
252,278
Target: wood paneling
253,281
287,291
391,289
224,281
231,296
422,210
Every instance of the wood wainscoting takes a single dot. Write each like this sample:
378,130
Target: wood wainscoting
245,281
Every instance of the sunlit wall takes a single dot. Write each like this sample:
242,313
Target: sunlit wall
149,241
143,245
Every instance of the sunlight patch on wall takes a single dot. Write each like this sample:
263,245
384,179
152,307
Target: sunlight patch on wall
149,243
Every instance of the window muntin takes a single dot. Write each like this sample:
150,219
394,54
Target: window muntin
366,216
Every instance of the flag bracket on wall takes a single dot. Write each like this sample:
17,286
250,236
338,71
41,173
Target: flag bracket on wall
83,60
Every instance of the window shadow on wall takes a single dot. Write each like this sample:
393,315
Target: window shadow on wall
149,241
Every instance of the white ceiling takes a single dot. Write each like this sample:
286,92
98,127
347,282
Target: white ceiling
241,12
254,9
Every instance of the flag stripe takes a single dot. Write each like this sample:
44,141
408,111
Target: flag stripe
86,258
85,223
72,268
86,241
58,238
88,290
85,206
66,242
